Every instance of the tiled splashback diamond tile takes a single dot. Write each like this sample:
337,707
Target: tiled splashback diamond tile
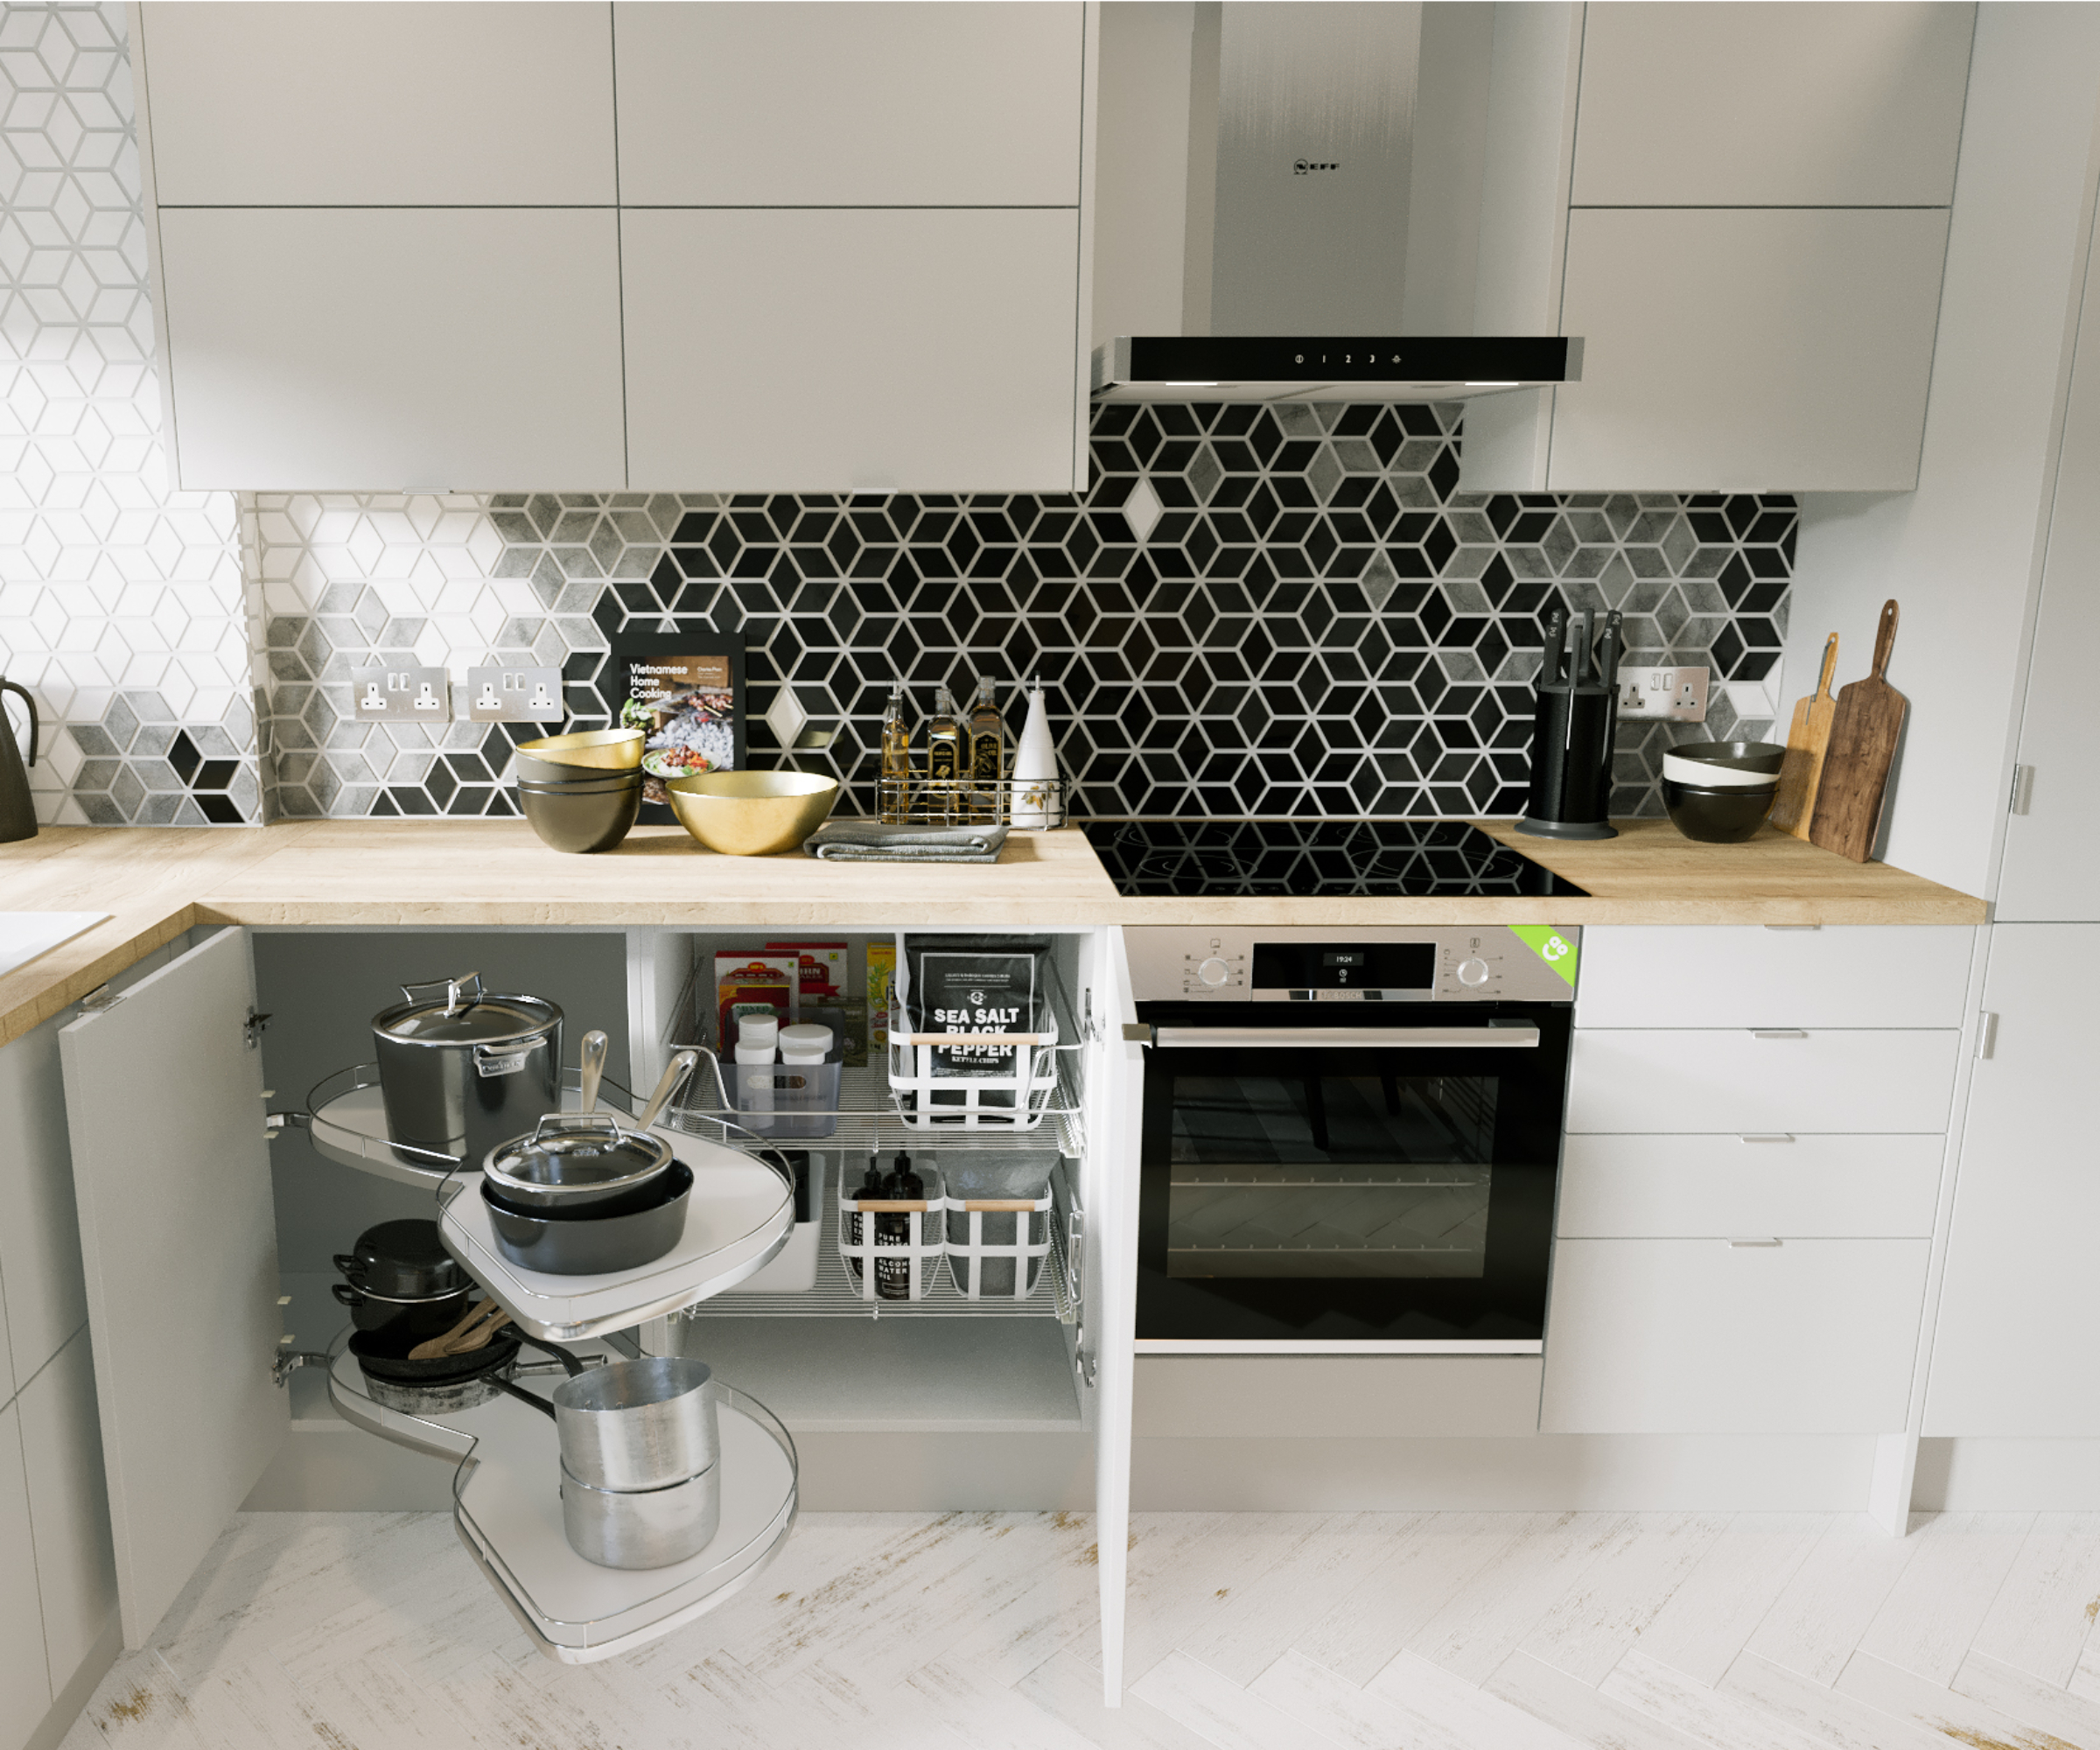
1317,621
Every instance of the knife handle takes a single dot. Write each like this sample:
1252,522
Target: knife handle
1885,639
1829,667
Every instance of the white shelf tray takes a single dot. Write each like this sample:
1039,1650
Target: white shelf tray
507,1507
740,1214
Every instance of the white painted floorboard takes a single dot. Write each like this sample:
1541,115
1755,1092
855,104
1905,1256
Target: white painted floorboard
977,1631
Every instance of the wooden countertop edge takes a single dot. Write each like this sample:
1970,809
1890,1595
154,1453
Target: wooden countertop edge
159,882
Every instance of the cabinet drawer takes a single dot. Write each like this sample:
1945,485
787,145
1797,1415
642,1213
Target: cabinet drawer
1705,1082
1700,1337
1720,1186
1382,1397
1857,976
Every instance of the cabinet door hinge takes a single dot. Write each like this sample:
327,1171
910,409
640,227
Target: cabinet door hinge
254,1027
2023,790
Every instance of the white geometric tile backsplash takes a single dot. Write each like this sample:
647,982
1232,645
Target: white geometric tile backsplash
123,607
192,652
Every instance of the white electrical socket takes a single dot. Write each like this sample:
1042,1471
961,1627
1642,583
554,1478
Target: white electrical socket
513,695
416,695
1676,694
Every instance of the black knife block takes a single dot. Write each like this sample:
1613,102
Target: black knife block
1574,733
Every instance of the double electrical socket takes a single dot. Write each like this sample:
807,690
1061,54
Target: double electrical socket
492,695
401,695
1677,694
513,695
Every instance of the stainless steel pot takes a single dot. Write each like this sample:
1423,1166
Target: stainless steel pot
574,1161
460,1070
638,1425
641,1527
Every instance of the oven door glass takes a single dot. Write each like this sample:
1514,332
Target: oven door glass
1350,1193
1325,1173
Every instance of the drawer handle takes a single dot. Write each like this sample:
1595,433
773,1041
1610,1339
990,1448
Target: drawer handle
1777,1033
1737,1245
1776,1137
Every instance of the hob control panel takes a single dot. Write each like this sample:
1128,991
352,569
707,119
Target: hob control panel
1483,964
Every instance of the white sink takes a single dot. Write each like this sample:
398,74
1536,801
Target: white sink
24,936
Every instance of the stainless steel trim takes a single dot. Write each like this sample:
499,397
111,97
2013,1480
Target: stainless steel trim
1206,1346
1473,1038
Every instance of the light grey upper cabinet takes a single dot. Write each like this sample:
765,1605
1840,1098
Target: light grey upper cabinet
1773,348
836,351
339,103
1770,104
381,349
867,104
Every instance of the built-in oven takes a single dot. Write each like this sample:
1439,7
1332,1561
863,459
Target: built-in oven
1351,1136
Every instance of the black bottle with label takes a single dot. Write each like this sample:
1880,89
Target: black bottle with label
893,1275
870,1186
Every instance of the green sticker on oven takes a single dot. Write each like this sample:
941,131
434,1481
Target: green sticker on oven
1550,946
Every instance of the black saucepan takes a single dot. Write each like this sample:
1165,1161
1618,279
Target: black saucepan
588,1243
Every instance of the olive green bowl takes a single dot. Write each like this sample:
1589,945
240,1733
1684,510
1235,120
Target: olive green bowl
751,814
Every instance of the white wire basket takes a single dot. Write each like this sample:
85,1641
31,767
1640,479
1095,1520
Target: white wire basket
931,1097
911,1262
975,1261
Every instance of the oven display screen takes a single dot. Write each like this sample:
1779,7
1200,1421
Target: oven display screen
1344,966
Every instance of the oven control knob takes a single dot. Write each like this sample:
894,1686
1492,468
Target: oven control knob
1473,972
1214,972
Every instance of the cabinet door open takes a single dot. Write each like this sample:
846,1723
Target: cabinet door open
165,1101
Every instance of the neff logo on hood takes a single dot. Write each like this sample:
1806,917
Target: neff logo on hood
1306,166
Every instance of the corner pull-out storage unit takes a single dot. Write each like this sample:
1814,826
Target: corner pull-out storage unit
987,1401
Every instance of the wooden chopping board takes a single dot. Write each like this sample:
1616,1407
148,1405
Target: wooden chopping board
1864,733
1807,740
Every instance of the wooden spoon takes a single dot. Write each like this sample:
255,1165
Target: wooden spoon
482,1322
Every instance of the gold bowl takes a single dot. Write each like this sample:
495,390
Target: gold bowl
608,750
751,814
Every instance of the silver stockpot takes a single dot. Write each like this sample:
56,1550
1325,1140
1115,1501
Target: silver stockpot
461,1069
638,1425
641,1527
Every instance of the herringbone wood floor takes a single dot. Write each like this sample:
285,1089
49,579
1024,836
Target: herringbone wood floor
1248,1632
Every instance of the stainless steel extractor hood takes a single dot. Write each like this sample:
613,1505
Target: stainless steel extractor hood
1288,206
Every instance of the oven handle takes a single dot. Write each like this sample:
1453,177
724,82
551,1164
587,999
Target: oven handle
1471,1038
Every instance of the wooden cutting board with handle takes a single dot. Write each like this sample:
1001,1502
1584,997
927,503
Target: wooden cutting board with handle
1864,733
1807,740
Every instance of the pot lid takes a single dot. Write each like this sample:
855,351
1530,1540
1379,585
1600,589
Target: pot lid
414,1243
458,1011
578,1151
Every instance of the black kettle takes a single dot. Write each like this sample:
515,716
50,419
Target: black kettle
17,809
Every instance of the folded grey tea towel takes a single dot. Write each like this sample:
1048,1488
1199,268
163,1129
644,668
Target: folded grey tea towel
861,841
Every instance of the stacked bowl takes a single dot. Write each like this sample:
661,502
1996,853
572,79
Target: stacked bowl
581,792
1719,792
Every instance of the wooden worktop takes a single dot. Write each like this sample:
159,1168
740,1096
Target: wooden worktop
157,882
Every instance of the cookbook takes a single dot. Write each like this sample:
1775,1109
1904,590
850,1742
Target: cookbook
684,690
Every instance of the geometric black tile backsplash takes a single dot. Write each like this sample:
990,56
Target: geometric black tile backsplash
1256,610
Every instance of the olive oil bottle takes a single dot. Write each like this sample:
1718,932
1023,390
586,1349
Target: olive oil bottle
893,780
987,754
946,760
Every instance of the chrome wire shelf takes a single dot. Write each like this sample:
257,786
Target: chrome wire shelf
837,1295
868,1119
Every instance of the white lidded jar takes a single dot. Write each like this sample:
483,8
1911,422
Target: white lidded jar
805,1043
758,1041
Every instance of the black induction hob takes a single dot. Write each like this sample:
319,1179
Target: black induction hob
1374,859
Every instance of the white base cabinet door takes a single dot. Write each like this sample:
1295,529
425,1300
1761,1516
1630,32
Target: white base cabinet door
379,350
1704,1336
24,1682
928,349
164,1098
2013,1351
